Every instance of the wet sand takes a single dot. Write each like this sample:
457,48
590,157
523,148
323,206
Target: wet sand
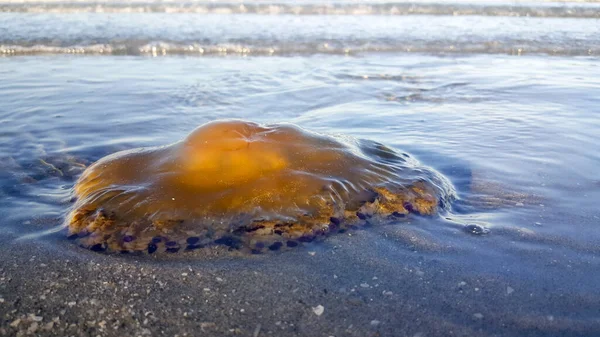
339,287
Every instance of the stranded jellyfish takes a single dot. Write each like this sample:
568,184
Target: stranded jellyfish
248,186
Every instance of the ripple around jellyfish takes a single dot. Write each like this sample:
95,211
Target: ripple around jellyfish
247,186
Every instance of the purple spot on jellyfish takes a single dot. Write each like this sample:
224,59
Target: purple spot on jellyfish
229,241
306,238
192,240
409,207
398,215
98,247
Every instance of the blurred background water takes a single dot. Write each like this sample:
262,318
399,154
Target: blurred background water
502,97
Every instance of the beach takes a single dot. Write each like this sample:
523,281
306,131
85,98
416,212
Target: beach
504,106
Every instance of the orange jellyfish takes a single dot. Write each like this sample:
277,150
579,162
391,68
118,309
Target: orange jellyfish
248,186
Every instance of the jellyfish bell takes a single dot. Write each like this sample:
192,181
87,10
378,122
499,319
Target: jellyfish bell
246,185
236,152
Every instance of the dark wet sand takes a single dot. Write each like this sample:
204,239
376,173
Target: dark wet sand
387,281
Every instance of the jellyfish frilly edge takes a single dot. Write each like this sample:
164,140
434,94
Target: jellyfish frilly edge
248,186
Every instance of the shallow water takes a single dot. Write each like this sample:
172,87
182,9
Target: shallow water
506,107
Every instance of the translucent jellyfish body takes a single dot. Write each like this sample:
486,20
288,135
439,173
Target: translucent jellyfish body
248,186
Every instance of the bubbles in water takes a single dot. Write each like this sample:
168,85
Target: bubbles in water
476,229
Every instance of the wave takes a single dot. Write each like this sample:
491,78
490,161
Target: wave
156,49
579,10
162,34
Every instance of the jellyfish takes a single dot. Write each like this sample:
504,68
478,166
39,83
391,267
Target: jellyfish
247,186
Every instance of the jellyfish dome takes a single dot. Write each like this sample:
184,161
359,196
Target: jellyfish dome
249,186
